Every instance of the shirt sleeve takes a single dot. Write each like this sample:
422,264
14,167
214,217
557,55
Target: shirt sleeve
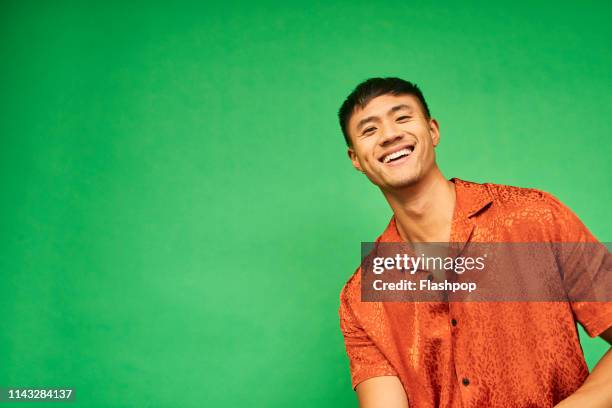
365,359
589,266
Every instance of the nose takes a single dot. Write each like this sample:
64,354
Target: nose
390,135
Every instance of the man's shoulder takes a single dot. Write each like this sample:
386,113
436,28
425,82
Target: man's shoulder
531,210
519,196
529,201
351,291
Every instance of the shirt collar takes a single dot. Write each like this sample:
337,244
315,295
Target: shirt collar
471,198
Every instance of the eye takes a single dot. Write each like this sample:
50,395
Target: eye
403,118
369,131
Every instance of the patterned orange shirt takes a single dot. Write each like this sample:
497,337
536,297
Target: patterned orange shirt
478,354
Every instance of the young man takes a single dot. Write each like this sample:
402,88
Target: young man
459,354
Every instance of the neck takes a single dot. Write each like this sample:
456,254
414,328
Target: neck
424,211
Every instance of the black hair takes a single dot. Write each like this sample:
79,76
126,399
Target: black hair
372,88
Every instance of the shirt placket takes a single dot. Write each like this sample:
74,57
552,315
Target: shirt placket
461,230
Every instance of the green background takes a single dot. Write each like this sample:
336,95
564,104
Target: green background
178,212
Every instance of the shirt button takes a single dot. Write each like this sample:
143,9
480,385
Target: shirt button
454,322
465,381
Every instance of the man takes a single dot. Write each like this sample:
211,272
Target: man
451,354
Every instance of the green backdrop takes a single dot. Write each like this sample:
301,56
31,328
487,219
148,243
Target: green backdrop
178,212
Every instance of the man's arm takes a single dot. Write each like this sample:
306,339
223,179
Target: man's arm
597,389
382,392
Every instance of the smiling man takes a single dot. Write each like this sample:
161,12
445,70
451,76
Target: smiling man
459,354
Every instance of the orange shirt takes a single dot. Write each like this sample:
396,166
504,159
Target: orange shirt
478,354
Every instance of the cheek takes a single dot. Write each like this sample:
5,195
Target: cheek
365,153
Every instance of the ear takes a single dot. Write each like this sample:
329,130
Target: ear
434,131
353,157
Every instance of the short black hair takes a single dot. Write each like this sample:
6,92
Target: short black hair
372,88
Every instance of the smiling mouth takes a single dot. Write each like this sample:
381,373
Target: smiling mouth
391,157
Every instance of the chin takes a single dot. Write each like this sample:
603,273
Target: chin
406,181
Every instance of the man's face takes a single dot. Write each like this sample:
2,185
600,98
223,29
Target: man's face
393,141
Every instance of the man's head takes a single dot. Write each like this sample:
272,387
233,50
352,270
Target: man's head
389,132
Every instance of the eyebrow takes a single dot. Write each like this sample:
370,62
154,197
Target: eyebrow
392,110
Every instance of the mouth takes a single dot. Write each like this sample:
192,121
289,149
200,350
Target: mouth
397,155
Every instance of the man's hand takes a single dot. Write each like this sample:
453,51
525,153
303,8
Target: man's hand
382,392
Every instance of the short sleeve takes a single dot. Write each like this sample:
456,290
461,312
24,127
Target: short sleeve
365,359
590,267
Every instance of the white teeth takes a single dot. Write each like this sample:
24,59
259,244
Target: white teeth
397,154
